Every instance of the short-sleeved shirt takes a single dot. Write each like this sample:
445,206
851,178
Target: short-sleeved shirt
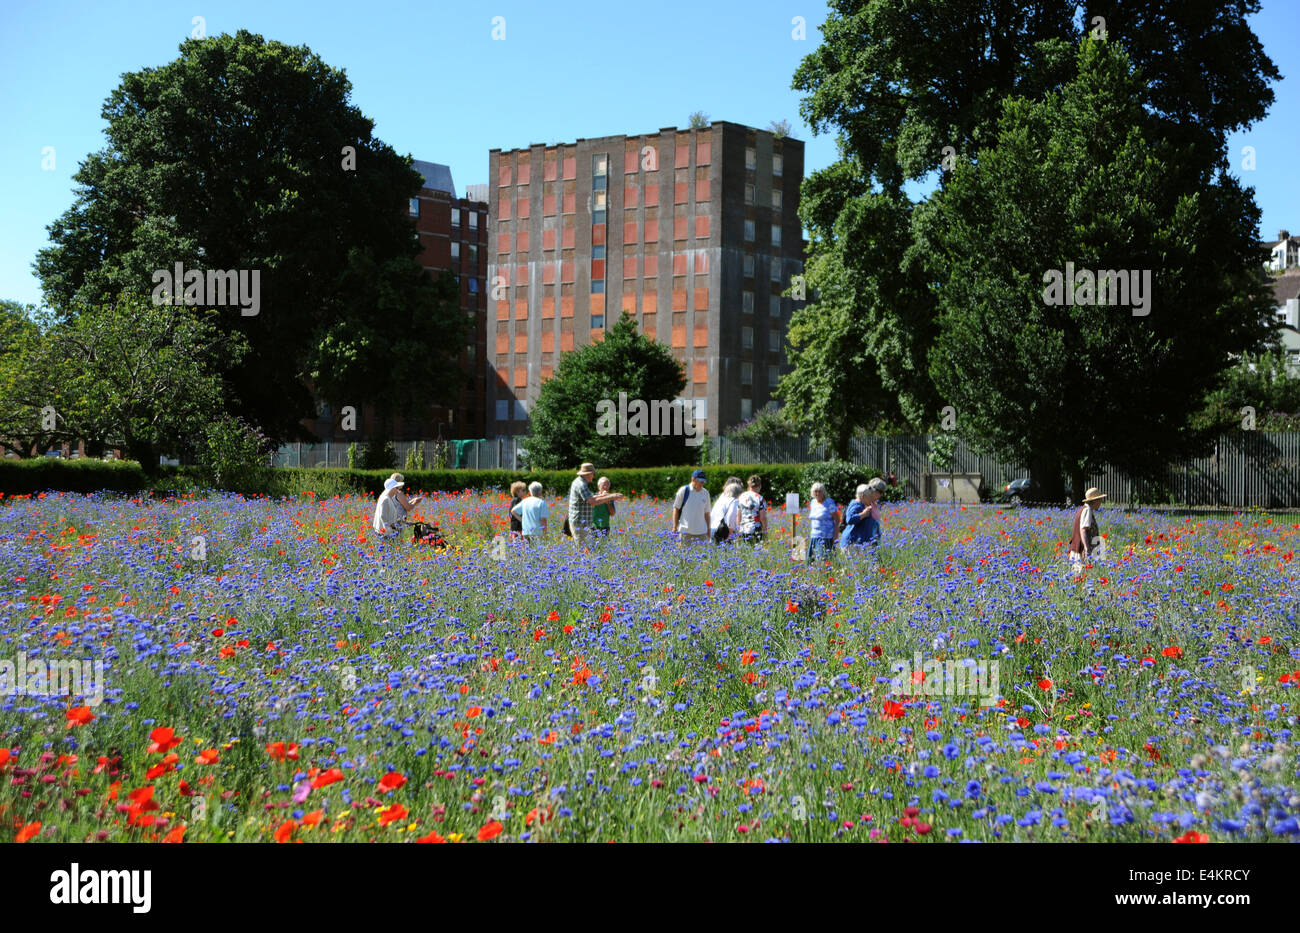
600,515
821,518
751,506
580,495
531,511
695,507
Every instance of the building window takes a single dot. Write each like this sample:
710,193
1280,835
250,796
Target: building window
600,183
749,194
415,207
455,251
701,409
751,158
521,411
473,220
776,236
774,266
455,216
747,337
598,201
774,307
597,322
749,231
473,254
746,408
773,376
598,287
473,286
776,199
774,341
600,164
598,217
747,302
598,251
776,163
503,410
746,374
749,265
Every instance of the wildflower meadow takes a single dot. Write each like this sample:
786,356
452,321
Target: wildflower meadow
272,672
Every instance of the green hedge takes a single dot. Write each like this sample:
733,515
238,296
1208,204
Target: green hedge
658,482
22,477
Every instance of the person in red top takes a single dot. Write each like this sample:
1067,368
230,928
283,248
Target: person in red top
1085,534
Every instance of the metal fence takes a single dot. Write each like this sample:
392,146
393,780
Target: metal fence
1245,470
1248,469
501,453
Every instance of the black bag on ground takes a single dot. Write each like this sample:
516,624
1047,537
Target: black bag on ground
428,534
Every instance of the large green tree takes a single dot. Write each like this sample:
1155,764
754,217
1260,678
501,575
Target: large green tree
912,88
1074,183
245,154
27,386
566,425
138,375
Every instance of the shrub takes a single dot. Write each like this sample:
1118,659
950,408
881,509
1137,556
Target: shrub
233,455
840,477
25,477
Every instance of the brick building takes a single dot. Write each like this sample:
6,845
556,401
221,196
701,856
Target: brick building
694,232
453,235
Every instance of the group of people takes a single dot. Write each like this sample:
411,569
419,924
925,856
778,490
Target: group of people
739,513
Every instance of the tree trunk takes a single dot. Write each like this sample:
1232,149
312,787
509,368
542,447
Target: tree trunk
1045,486
146,453
1077,480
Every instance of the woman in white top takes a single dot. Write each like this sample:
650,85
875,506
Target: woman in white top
392,507
726,512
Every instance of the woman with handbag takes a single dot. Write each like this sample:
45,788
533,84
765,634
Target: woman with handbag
725,518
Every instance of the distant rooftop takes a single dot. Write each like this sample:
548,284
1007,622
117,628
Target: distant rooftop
436,176
477,193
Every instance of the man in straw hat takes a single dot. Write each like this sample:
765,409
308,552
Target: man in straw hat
392,507
1085,536
581,502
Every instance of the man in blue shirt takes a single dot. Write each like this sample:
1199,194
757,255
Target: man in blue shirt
532,513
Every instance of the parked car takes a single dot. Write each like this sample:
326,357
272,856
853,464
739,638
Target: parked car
1017,490
54,453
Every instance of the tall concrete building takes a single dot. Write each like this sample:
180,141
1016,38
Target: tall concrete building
694,232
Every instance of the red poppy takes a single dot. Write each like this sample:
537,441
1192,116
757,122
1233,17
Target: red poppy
431,837
326,778
164,740
79,716
208,756
391,781
312,818
791,606
279,751
1193,836
285,830
538,815
893,710
1173,651
747,657
28,831
177,834
1044,684
553,616
5,755
473,711
490,831
395,812
877,651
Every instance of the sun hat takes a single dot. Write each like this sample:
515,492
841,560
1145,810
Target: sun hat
1093,495
586,468
397,479
699,474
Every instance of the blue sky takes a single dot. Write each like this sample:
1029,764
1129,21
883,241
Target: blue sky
440,88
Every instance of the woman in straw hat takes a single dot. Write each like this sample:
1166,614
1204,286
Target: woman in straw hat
392,507
1085,535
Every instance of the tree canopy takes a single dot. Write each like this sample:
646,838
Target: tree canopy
245,154
570,418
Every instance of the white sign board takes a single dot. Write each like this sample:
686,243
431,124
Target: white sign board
791,503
